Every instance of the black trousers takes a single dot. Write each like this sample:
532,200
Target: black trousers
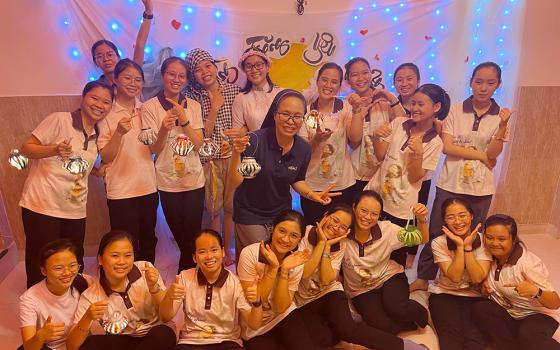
455,327
289,334
160,337
530,333
44,347
313,211
331,314
183,213
226,345
42,229
398,255
137,216
390,308
427,269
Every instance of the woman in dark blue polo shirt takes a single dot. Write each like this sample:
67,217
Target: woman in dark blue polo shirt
284,157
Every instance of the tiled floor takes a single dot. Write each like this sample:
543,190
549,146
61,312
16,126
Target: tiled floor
167,255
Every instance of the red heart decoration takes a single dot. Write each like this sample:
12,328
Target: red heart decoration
376,57
427,37
176,24
466,59
302,40
363,31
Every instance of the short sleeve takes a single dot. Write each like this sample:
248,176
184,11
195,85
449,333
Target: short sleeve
536,270
392,231
336,257
237,118
81,309
432,153
441,253
48,131
448,123
27,310
481,253
196,116
294,277
247,265
150,118
240,300
105,133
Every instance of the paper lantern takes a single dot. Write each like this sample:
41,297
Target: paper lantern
249,168
208,148
182,145
147,136
313,119
17,160
410,235
116,323
76,165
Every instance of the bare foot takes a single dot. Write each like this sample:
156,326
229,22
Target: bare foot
409,261
419,284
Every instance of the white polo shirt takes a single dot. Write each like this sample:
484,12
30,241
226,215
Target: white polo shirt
520,261
249,109
367,266
250,266
136,304
391,180
174,173
464,176
211,310
37,303
132,172
363,157
311,289
330,161
444,250
49,188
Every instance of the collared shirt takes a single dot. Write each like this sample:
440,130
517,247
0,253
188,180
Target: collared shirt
136,303
521,261
391,180
249,109
468,176
311,289
445,252
224,117
249,268
368,265
50,189
174,173
132,172
211,309
330,161
258,201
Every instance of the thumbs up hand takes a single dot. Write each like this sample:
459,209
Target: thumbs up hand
52,330
177,290
252,292
527,288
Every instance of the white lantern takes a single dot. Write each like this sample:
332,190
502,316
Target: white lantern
116,323
208,148
182,145
76,165
313,119
147,136
17,160
249,168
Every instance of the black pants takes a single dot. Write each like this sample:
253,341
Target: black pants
331,312
137,216
160,337
455,327
44,347
390,308
398,255
42,229
356,189
289,334
183,213
226,345
530,333
313,211
427,269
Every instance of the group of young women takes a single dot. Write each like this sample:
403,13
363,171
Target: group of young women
362,167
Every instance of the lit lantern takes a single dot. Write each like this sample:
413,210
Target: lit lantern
249,168
17,160
410,235
116,323
313,119
147,136
76,165
182,145
208,148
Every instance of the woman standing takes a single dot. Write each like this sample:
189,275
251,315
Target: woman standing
54,199
464,263
473,137
522,312
130,177
177,121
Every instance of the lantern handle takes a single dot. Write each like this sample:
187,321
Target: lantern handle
256,144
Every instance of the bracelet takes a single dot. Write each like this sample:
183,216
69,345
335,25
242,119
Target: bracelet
284,274
257,303
467,250
327,255
422,220
185,124
147,16
539,294
397,102
356,111
416,156
308,194
81,329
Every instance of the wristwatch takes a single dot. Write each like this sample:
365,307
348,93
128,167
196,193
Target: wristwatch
538,295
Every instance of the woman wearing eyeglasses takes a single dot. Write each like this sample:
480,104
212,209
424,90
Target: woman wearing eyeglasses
46,310
250,106
283,157
130,177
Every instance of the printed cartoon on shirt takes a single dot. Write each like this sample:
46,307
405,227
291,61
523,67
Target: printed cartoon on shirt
394,188
77,193
366,277
332,158
367,155
472,171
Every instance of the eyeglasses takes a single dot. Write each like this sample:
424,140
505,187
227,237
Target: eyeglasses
292,236
176,76
130,79
249,67
285,116
59,269
365,212
107,55
453,218
336,222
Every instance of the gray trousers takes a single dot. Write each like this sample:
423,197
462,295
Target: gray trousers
249,234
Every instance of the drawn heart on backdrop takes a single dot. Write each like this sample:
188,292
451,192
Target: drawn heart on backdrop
364,31
427,37
466,59
176,24
302,40
376,57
